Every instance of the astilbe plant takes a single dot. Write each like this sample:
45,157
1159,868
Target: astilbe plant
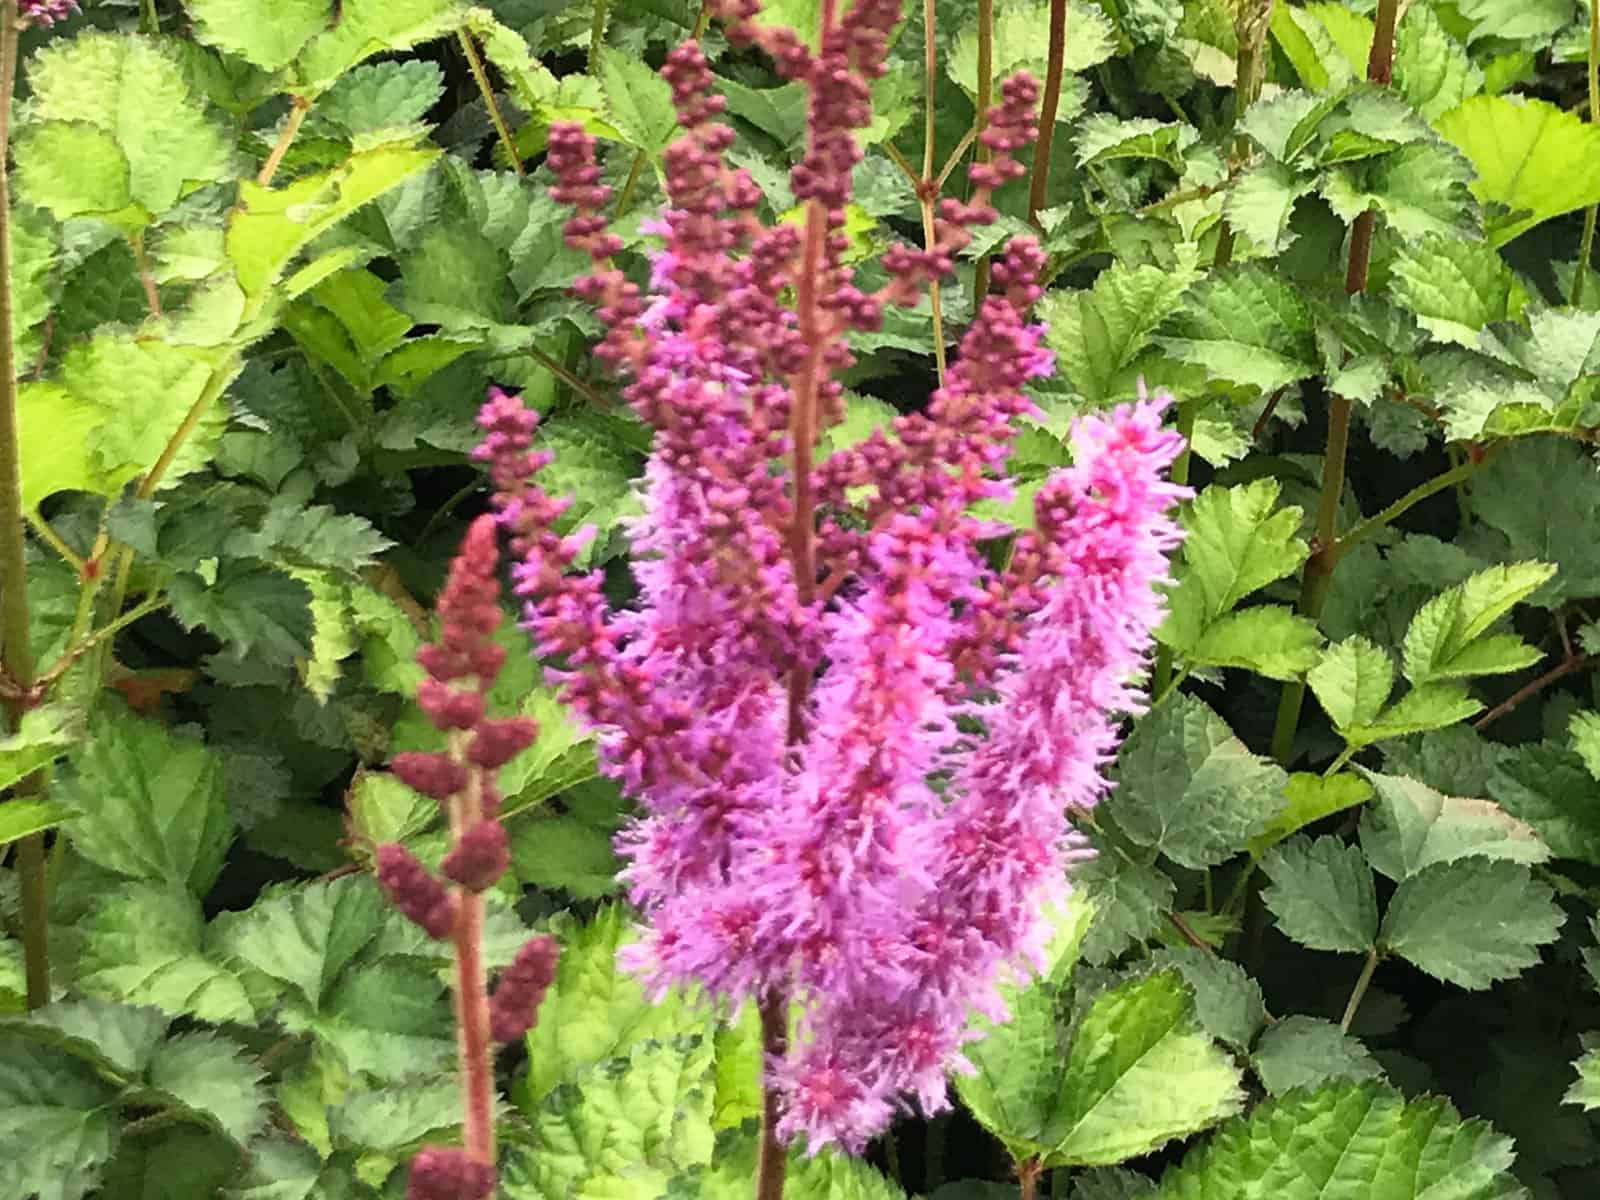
854,741
460,668
46,12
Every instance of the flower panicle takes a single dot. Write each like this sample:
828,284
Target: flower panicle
878,842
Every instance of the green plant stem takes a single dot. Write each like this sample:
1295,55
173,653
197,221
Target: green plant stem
16,653
1049,106
1318,576
152,294
496,117
50,537
1386,517
631,184
149,18
298,108
77,649
980,273
1161,681
597,34
1586,248
1359,991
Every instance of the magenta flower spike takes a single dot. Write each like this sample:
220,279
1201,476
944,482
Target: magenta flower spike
855,744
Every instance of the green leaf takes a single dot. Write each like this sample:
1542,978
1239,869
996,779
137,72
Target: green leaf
1421,189
1512,497
57,1122
1105,138
1585,1090
1440,642
1534,158
267,33
638,102
1352,682
1237,541
566,853
213,1078
73,170
1140,1072
21,818
1261,203
394,1118
1547,786
369,27
150,803
1456,287
1012,1090
357,298
132,93
382,809
1191,789
145,946
1102,334
55,429
1322,894
305,936
381,95
118,1039
1227,1001
1346,1141
1583,731
1269,639
177,1163
1432,70
636,1122
254,610
44,735
1310,798
1246,326
1303,1052
1016,43
1472,922
1432,706
270,226
1131,901
1409,826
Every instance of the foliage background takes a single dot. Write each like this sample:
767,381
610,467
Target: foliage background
1346,955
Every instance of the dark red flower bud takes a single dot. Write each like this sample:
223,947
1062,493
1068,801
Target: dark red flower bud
480,857
435,775
447,1173
417,894
514,1007
497,742
448,708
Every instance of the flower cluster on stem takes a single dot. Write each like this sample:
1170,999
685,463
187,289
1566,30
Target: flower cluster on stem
461,667
855,742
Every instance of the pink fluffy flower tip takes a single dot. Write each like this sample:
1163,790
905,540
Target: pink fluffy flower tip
46,12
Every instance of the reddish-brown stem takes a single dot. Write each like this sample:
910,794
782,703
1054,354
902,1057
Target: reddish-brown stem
773,1160
980,274
298,108
473,1046
1049,106
1565,667
1028,1177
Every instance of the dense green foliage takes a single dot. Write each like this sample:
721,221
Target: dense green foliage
1340,937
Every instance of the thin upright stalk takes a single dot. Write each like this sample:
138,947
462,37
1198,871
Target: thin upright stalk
1359,991
481,78
298,108
473,1045
980,274
16,653
597,33
1049,106
926,188
1586,249
1318,577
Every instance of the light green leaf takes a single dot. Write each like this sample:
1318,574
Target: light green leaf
1322,894
375,327
1018,46
1347,1141
118,1039
1432,706
1140,1072
1352,682
1012,1091
1431,69
1409,826
21,818
1245,326
44,735
1105,138
1531,156
150,803
1310,798
1421,190
133,93
394,1118
1261,203
1439,641
55,430
1189,788
1303,1052
1102,334
1456,287
59,1124
268,33
253,609
1585,1090
271,225
1472,922
215,1079
638,102
73,170
145,946
369,27
1583,731
635,1123
1269,639
382,809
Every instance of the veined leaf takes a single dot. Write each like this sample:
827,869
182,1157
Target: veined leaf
1409,826
1456,287
1322,894
1442,643
1352,682
1016,44
1432,706
1245,326
1303,1052
267,33
1310,798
